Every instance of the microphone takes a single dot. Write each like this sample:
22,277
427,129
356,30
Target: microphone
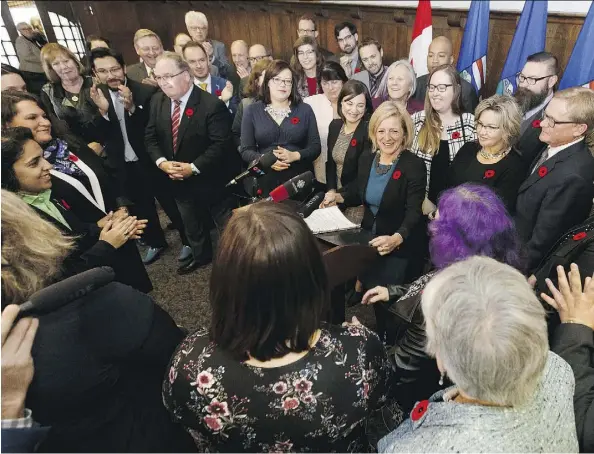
312,205
64,292
257,168
294,186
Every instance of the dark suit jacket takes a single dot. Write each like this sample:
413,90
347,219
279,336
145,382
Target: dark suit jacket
552,201
575,344
23,440
204,138
529,145
400,208
351,159
136,72
468,98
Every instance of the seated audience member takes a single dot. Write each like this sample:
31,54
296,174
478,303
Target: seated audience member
307,27
401,83
472,220
307,62
558,191
574,342
149,47
325,108
375,74
270,377
493,160
197,25
390,184
488,333
250,94
441,52
441,130
280,123
180,40
12,79
68,96
20,433
197,59
348,40
536,86
239,55
348,135
27,47
100,359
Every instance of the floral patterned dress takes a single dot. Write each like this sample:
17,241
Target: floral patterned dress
319,403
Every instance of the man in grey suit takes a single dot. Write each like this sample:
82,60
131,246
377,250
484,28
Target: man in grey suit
197,25
441,53
374,76
149,47
28,48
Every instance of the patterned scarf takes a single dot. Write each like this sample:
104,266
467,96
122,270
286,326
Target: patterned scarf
57,154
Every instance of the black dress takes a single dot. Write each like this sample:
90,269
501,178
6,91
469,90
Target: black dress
440,165
319,403
505,176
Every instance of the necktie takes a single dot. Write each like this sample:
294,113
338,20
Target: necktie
151,73
543,157
175,123
203,85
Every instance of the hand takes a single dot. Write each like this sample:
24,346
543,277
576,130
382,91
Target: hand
354,321
286,156
573,304
17,362
242,72
97,148
532,281
331,199
126,97
138,229
385,244
346,62
208,48
105,219
121,213
375,295
150,81
99,99
227,92
117,233
279,166
182,170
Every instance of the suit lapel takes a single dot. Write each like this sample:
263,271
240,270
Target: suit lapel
166,122
193,101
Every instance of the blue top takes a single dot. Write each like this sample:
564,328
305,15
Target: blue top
376,185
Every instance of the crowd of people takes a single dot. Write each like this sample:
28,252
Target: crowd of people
479,211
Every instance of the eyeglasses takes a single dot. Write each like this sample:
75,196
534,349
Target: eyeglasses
286,82
521,78
202,29
104,72
303,31
167,77
255,59
307,53
342,40
552,122
490,129
440,88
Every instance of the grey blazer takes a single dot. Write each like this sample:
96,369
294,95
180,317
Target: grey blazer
220,57
382,91
137,71
29,55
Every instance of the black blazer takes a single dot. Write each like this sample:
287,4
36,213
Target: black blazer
400,208
204,138
552,200
351,159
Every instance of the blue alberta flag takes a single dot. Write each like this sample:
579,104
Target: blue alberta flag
472,62
580,69
529,38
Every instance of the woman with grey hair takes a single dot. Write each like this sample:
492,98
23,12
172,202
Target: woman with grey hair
488,333
401,84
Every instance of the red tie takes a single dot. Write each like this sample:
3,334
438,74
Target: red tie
175,124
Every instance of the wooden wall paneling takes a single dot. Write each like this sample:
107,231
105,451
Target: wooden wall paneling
281,43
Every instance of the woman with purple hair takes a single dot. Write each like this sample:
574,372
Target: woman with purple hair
471,220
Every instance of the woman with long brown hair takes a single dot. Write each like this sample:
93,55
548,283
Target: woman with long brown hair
307,62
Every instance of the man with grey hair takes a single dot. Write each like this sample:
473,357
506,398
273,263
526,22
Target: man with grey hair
197,25
488,333
188,136
28,48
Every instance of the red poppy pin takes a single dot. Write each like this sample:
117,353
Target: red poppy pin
419,410
579,236
489,173
354,143
357,70
65,204
396,175
455,135
189,112
73,157
218,92
536,124
294,120
542,171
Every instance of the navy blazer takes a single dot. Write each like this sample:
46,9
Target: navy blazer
23,440
555,197
351,159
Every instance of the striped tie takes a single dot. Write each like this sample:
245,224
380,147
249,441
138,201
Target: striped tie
175,123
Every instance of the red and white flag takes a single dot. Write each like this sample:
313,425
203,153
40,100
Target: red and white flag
421,38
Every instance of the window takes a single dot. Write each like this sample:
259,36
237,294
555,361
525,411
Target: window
7,52
68,34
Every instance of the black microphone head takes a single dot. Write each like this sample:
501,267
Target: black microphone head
267,160
300,183
312,205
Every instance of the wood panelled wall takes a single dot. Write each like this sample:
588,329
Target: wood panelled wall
274,24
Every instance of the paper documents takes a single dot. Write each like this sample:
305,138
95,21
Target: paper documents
326,220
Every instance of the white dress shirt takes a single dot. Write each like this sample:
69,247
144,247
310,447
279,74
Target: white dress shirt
129,154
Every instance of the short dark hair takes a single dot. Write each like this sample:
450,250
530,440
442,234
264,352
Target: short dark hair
13,142
280,286
306,41
103,52
370,41
273,70
339,27
10,99
351,89
332,71
191,44
92,38
7,69
308,17
545,57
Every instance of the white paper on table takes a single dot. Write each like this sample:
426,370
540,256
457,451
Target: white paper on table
326,220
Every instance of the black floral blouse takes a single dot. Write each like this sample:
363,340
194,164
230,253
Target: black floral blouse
319,403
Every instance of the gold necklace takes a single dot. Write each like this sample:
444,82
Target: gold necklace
486,155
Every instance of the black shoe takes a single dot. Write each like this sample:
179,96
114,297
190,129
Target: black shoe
192,266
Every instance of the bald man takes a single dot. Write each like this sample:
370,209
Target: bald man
239,55
440,53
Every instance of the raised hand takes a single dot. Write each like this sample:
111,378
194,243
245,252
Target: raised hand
99,99
375,295
117,233
126,97
242,72
227,92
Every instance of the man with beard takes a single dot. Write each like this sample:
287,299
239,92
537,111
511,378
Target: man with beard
536,84
127,103
347,38
375,75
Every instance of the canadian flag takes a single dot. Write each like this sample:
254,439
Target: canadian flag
421,38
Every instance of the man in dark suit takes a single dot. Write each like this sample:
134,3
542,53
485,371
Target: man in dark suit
440,53
148,46
189,138
536,83
559,189
128,105
197,25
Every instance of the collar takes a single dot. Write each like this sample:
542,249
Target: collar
554,150
207,81
541,106
378,75
184,99
41,198
148,68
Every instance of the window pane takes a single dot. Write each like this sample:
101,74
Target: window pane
80,47
14,61
54,19
8,48
62,42
4,59
4,35
76,33
68,33
71,46
63,20
58,32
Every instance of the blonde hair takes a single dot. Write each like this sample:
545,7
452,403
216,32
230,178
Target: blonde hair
144,33
386,110
32,250
508,112
580,107
49,53
430,132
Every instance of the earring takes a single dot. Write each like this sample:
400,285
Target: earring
441,379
